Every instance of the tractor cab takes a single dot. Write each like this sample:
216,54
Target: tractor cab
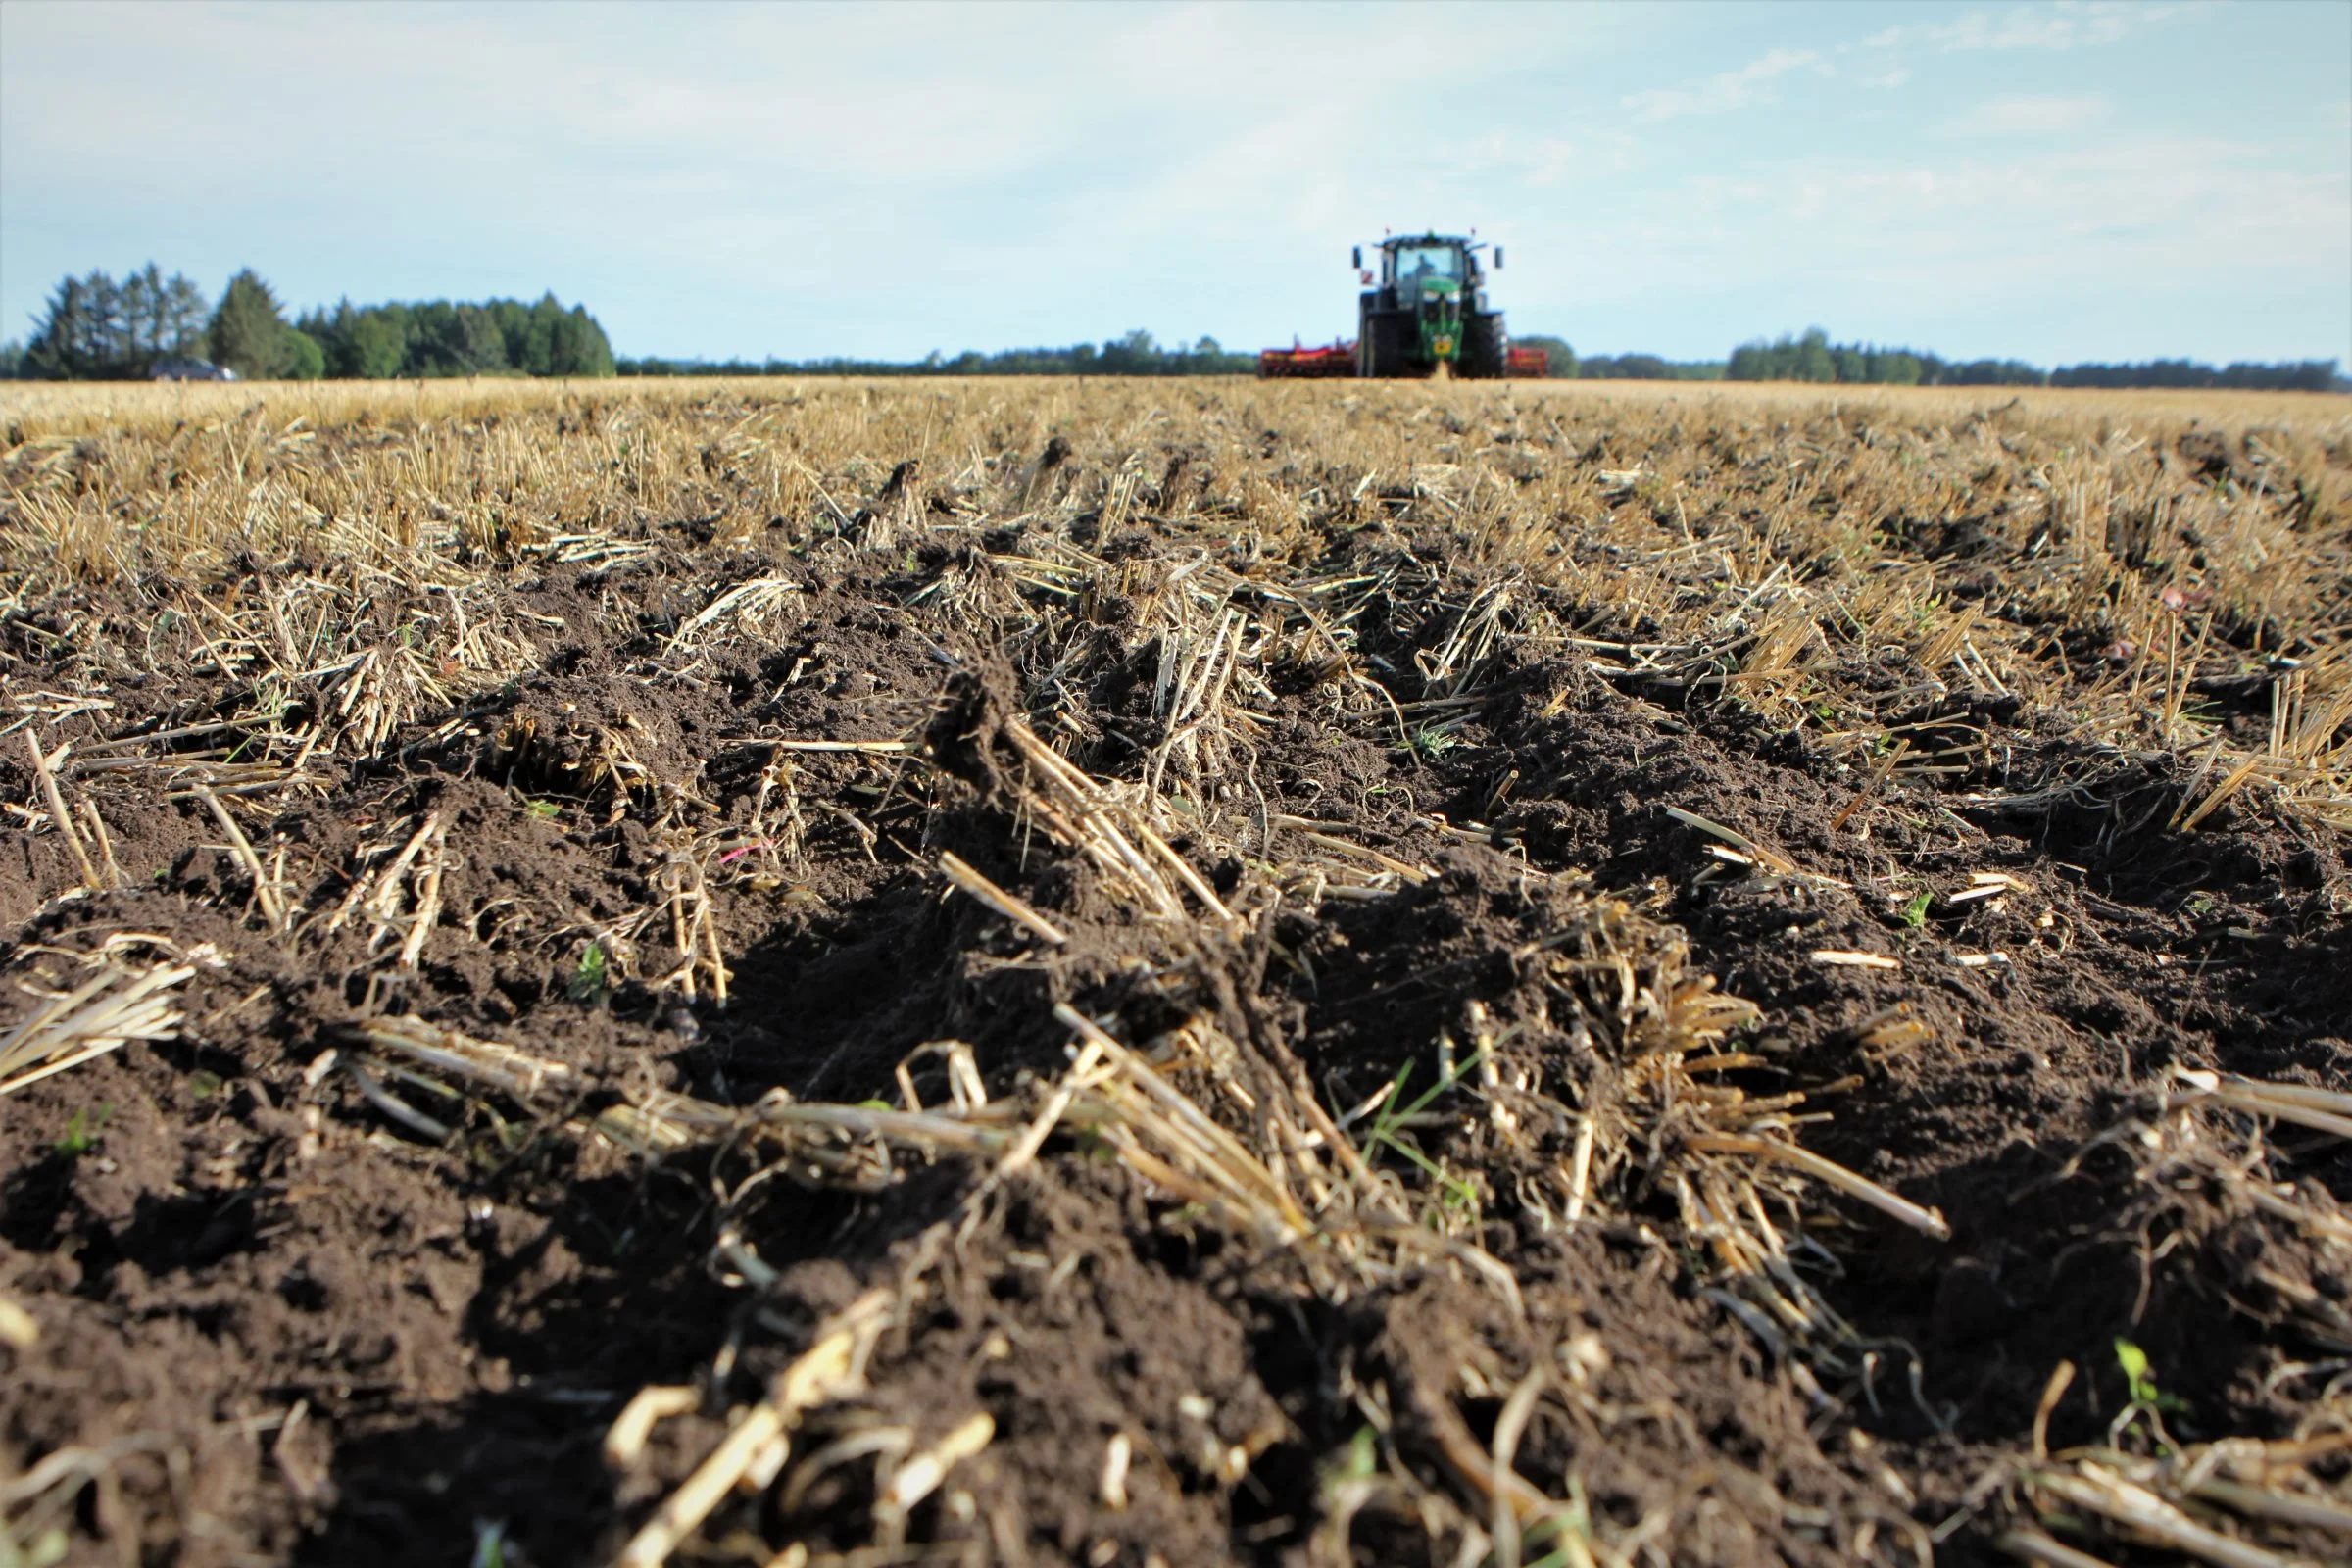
1427,264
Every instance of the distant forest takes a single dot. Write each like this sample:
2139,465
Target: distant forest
1569,365
1139,353
95,328
1814,357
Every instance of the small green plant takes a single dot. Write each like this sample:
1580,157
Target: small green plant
2149,1404
81,1131
545,811
592,976
1915,914
1361,1462
1572,1524
1390,1131
1430,744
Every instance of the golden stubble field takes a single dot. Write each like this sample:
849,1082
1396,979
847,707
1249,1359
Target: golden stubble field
1174,971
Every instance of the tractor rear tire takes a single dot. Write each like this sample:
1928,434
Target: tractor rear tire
1486,348
1381,347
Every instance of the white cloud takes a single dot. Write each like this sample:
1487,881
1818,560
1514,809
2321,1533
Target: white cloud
1724,91
2035,115
2067,24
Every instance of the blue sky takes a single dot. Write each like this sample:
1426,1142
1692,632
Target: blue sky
2056,182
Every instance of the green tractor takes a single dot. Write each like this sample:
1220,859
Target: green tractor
1424,316
1426,312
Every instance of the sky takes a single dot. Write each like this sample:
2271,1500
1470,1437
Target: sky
2055,182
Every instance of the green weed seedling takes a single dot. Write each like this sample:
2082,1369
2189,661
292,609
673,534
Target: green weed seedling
490,1545
1388,1130
1915,913
1431,743
1572,1525
592,977
545,811
1359,1461
2149,1404
81,1131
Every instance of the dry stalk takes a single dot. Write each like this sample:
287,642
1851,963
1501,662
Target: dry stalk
2035,1546
626,1439
2096,1490
956,871
105,841
428,904
265,888
524,1077
1830,1174
1779,863
362,1072
748,605
46,774
2320,1109
833,1367
95,1017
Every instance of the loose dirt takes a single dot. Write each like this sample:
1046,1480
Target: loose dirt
1480,880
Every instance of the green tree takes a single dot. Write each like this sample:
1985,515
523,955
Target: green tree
1895,368
65,341
375,346
304,356
1814,360
578,346
248,332
95,328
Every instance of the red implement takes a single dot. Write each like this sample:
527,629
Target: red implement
1337,360
1532,365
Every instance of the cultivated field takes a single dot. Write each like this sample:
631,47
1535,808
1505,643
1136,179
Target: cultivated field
1166,972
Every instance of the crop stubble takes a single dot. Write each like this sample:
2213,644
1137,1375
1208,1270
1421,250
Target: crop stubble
1125,971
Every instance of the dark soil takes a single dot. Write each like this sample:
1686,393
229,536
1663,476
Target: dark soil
311,1335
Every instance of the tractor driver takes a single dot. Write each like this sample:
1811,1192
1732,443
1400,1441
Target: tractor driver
1426,262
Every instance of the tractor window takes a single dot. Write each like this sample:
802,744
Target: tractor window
1416,263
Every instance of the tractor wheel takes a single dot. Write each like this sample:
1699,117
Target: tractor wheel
1380,351
1486,350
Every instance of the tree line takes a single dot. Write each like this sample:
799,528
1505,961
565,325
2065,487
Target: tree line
96,329
1139,353
2300,375
1566,365
1812,356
